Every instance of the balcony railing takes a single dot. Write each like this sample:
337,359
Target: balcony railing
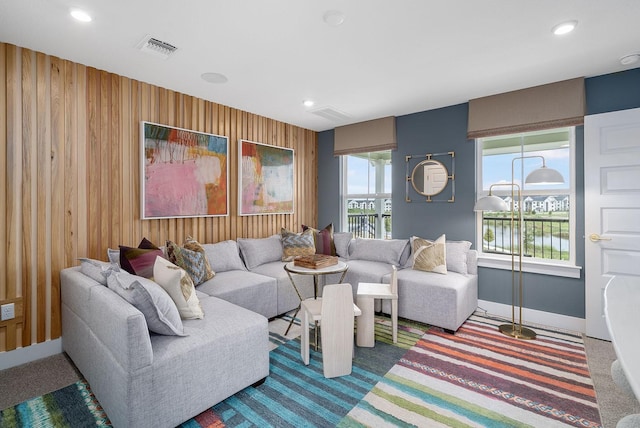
546,238
364,225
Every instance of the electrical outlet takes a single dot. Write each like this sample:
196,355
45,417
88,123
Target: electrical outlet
8,311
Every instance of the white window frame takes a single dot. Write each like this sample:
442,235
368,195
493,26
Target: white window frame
344,195
563,268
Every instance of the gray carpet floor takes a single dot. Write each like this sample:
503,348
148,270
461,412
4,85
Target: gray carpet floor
49,374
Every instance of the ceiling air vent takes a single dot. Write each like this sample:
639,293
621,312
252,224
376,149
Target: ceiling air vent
156,47
331,114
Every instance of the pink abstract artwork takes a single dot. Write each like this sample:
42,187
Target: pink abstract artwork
184,173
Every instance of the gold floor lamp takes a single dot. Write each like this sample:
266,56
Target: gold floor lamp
542,175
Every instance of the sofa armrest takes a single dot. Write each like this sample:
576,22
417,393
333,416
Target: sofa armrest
121,328
472,262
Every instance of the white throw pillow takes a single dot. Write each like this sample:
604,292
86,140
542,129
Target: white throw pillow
96,269
177,282
457,256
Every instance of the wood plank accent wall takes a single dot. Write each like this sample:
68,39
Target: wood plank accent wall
70,177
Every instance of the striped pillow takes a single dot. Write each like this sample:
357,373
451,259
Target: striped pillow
323,239
296,244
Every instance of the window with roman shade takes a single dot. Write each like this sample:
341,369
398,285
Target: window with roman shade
370,136
548,106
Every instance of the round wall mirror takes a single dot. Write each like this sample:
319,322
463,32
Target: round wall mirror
429,177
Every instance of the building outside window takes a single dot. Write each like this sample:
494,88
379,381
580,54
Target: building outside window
548,228
366,190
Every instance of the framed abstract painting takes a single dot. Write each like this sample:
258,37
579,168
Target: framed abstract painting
184,173
265,184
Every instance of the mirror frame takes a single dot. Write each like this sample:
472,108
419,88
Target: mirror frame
416,171
411,175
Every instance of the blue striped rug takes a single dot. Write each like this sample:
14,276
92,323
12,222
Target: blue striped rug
295,395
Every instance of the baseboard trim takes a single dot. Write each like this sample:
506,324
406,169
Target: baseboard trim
534,317
30,353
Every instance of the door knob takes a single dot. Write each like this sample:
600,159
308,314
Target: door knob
594,237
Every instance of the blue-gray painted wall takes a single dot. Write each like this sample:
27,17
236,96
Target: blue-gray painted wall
444,130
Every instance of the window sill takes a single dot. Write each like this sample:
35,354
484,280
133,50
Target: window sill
544,268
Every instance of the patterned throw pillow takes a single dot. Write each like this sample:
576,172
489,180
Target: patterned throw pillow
429,256
192,261
139,261
296,244
193,245
179,285
323,240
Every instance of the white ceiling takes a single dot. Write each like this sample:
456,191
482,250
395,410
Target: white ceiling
388,58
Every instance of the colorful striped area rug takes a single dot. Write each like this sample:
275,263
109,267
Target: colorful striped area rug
480,377
475,378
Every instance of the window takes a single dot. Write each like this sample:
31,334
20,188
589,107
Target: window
548,230
366,190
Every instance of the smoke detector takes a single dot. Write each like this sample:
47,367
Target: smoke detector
156,47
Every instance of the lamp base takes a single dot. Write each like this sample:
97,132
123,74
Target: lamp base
517,331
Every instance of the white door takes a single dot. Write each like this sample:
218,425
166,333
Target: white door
612,207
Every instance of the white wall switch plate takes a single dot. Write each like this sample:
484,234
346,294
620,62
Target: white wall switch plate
8,311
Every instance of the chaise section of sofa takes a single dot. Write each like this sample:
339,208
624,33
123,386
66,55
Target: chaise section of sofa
146,379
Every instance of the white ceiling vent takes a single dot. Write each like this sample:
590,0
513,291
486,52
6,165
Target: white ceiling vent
331,114
156,47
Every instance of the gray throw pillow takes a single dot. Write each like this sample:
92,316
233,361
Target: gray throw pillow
160,312
341,241
457,256
379,250
224,256
96,269
256,252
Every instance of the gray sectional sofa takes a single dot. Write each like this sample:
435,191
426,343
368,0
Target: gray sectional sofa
147,379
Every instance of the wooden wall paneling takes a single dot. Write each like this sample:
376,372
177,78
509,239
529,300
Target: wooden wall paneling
12,332
4,191
57,248
42,174
103,122
71,183
27,223
83,168
114,165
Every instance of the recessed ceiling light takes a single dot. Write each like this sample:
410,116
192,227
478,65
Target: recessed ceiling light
333,18
214,77
564,28
630,59
80,15
308,103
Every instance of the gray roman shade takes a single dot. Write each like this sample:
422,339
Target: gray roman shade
371,136
542,107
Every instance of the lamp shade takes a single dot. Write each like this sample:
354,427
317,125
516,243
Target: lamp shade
544,175
491,203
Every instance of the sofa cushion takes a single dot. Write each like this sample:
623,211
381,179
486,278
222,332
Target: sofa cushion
224,256
159,310
296,244
247,289
342,241
139,261
256,252
379,250
195,263
429,256
323,239
97,269
178,283
456,254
